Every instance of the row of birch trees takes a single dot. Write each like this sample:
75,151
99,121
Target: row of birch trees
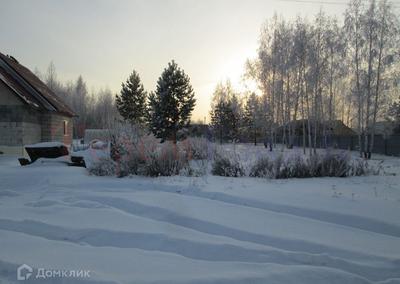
317,72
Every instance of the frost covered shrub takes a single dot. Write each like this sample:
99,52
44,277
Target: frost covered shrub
279,168
167,161
320,165
293,167
298,167
130,163
329,164
263,167
135,153
196,148
338,165
130,148
103,167
196,168
226,165
335,165
361,167
314,165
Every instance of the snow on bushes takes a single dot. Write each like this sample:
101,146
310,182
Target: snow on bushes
133,153
103,167
169,160
227,165
263,167
197,148
328,164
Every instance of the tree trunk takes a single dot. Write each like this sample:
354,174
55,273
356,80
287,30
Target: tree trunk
378,78
369,78
255,136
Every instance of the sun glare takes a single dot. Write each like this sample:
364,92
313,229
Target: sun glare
233,69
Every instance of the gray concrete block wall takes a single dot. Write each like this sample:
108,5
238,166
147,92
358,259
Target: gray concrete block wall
19,114
31,133
11,133
53,128
20,124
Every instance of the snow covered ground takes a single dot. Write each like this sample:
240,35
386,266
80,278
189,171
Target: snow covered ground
198,230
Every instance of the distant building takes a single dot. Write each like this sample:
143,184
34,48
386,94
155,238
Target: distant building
334,127
29,111
386,128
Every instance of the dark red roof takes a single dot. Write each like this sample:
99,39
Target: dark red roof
28,85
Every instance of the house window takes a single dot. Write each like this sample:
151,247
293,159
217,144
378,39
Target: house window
65,127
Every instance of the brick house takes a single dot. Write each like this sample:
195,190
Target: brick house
29,111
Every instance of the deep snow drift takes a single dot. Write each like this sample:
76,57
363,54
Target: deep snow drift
199,230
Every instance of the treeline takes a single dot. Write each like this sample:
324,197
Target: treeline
95,109
163,112
319,71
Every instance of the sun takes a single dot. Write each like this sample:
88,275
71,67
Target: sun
233,69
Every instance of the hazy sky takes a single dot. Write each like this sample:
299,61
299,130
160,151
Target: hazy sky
104,40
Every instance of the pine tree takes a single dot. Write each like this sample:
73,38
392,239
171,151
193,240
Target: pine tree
171,105
253,116
226,112
224,121
218,120
131,103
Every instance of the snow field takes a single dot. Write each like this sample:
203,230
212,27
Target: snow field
200,229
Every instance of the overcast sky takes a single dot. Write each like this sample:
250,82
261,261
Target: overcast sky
104,40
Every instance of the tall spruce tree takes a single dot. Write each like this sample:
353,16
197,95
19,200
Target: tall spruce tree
223,121
131,103
226,112
253,116
171,105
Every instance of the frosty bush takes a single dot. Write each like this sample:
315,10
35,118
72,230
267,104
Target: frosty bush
103,167
130,149
263,167
129,156
361,167
145,155
226,165
130,163
328,164
297,166
279,168
335,165
197,148
196,168
168,161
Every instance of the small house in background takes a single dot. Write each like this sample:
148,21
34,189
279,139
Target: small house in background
334,127
29,111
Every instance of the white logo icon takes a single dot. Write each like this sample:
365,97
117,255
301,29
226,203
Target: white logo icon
24,272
